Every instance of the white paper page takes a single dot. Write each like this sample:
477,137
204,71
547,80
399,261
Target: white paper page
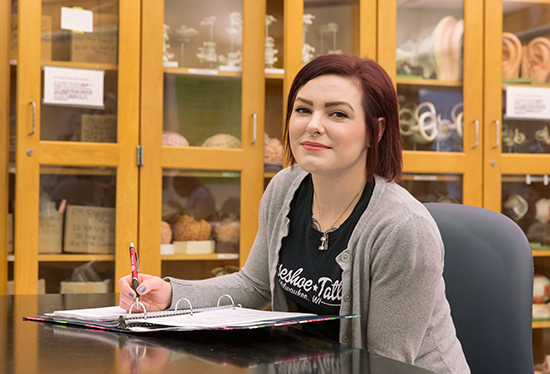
77,19
222,318
527,102
110,313
73,87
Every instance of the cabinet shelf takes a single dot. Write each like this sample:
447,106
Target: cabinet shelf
216,72
209,174
207,257
434,178
541,324
64,257
80,65
279,76
427,82
76,171
522,179
203,72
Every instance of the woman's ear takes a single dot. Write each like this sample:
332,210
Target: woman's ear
381,127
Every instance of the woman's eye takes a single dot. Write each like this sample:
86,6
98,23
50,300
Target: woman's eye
340,115
302,110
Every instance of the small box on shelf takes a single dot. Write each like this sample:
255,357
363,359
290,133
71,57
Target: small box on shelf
85,287
50,233
40,289
194,247
89,230
167,249
101,46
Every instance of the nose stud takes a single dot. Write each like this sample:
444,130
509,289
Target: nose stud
314,135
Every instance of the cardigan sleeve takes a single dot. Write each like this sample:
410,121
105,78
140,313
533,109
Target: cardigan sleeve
406,284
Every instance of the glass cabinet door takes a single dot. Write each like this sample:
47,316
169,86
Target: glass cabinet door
75,123
517,93
517,148
202,131
201,220
434,58
434,188
526,200
330,27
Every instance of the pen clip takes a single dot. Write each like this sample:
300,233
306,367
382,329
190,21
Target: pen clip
134,262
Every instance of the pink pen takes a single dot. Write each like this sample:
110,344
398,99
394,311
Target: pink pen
62,206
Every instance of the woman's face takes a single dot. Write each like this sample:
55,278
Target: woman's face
329,107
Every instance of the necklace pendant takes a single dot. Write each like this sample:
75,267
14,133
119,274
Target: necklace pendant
324,242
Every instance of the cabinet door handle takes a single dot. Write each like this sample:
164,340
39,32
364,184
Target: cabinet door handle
476,122
33,117
254,127
497,122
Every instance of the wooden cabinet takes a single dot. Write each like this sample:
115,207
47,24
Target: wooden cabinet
517,149
214,104
443,156
170,90
62,80
185,89
501,159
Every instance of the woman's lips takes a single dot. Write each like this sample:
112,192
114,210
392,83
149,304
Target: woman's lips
313,146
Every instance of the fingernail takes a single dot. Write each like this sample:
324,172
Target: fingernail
141,289
131,295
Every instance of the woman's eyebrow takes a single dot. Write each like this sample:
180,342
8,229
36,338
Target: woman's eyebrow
333,103
305,101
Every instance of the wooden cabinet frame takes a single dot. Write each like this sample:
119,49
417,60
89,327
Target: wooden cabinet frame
32,153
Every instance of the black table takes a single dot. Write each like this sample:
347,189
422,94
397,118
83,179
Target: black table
31,347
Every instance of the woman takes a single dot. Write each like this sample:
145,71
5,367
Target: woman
336,234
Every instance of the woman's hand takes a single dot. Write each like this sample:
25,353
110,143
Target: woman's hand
154,293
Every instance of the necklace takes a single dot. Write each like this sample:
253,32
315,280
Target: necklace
324,238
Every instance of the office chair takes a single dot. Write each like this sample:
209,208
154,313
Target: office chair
489,284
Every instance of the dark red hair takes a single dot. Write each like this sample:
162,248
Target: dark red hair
384,158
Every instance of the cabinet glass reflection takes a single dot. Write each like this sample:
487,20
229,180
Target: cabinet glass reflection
429,59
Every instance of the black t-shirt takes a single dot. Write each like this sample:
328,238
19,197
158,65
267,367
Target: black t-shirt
311,277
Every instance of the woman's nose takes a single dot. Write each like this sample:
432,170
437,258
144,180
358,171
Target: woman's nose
315,125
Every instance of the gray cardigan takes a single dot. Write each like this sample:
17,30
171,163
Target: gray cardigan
391,274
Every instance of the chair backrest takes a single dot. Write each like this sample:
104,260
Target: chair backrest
489,284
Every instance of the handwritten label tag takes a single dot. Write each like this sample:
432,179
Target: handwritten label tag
99,128
101,46
89,229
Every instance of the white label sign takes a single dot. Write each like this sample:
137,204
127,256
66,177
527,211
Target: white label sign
77,19
73,87
527,102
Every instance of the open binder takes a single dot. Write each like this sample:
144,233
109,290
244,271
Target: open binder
226,317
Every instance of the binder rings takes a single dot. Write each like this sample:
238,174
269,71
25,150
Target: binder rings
226,317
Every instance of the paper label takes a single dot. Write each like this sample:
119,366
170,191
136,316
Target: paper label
77,19
527,102
73,87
